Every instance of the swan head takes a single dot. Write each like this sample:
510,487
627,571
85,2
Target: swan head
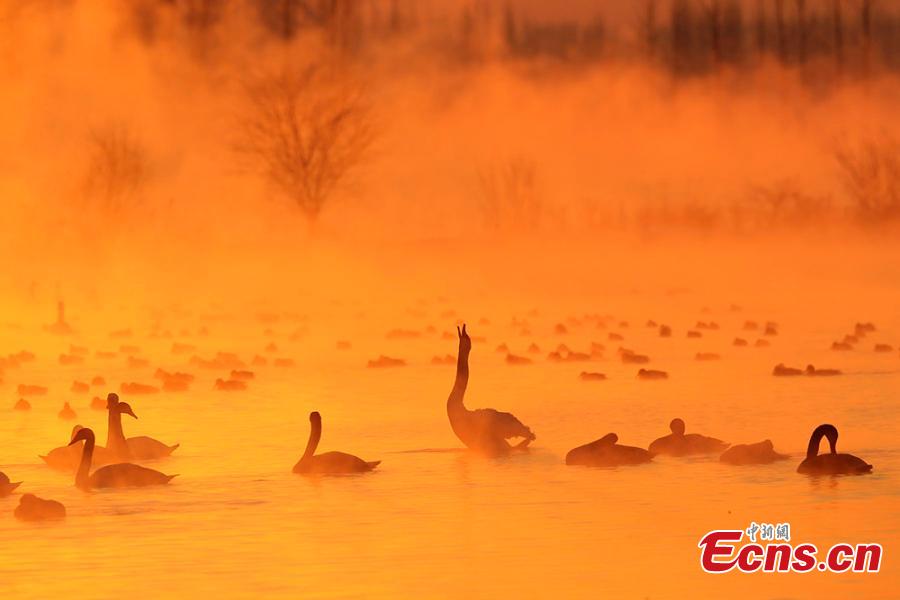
465,342
315,418
677,426
125,409
825,430
609,439
111,400
84,434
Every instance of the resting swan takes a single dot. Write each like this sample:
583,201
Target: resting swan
605,452
485,430
679,444
32,508
328,462
6,486
831,463
121,475
135,448
760,453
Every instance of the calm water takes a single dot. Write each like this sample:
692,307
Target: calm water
445,523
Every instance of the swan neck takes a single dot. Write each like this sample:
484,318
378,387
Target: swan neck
115,435
813,449
315,434
83,476
462,381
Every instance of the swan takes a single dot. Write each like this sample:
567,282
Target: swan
141,447
6,486
485,430
831,463
760,453
120,475
605,452
115,436
67,458
328,462
679,444
32,508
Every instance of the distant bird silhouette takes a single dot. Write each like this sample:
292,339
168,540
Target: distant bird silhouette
328,462
120,475
605,452
760,453
485,430
680,444
32,508
781,370
812,371
6,486
67,413
831,463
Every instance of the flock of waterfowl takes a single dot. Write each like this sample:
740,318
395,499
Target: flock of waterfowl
486,430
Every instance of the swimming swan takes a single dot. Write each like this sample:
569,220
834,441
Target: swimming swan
605,452
328,462
831,463
121,475
679,444
140,447
68,457
485,430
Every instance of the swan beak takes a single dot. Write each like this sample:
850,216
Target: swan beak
130,413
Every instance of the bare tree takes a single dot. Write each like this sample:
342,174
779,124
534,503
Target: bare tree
871,175
116,169
508,194
307,131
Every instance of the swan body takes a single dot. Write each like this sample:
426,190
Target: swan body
605,452
680,444
328,462
121,475
32,508
831,463
6,486
485,430
760,453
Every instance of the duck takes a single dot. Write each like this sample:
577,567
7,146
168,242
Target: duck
760,453
6,486
328,462
831,463
31,508
680,444
484,430
605,452
119,475
140,447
